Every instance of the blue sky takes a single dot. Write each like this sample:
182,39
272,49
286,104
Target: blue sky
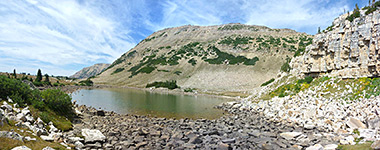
61,37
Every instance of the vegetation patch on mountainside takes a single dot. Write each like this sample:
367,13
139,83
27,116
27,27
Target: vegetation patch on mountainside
167,84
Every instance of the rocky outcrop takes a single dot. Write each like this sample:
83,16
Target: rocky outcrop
90,71
348,50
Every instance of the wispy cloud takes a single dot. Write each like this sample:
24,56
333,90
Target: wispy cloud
59,33
62,37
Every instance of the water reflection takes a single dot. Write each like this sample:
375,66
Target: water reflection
123,100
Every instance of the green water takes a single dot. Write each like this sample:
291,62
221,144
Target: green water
124,100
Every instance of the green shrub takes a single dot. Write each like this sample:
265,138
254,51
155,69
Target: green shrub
167,84
16,90
117,70
370,10
222,56
188,90
87,82
307,80
268,82
177,73
58,101
355,14
192,61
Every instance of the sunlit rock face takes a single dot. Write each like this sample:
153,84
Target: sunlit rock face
347,50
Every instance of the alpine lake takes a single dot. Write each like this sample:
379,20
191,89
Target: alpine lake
144,102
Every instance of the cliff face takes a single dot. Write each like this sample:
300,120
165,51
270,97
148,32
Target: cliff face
90,71
233,57
347,50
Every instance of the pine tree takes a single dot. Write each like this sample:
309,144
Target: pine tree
47,78
319,29
39,76
14,73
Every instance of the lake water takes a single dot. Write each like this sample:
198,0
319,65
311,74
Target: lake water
141,102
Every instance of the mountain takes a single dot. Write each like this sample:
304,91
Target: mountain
90,71
222,58
349,48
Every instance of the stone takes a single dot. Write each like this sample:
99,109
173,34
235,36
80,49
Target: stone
78,144
74,139
20,117
347,140
53,129
6,106
94,135
195,140
11,135
48,148
229,141
21,148
376,145
330,147
355,123
100,113
25,111
315,147
47,138
290,135
141,144
29,118
30,139
222,146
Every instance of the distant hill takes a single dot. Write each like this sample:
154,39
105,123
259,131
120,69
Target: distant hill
90,71
230,57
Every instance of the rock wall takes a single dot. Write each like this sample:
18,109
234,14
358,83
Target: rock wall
349,50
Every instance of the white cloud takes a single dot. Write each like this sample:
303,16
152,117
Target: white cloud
304,15
65,36
59,33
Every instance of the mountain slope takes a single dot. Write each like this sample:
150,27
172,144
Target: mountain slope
231,57
90,71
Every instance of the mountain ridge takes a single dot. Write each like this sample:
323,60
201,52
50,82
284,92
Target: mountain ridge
207,57
90,71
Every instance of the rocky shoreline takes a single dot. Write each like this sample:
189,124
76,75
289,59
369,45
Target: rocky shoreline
241,130
273,124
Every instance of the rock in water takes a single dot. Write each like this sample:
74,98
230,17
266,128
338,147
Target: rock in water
91,136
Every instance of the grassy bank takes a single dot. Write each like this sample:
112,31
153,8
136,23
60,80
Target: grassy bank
50,105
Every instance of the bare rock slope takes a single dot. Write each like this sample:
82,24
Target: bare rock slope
90,71
349,48
231,57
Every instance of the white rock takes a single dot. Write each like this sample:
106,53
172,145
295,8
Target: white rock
53,129
315,147
347,140
29,118
46,138
290,135
20,117
93,135
78,144
48,148
355,123
331,147
30,139
25,111
21,148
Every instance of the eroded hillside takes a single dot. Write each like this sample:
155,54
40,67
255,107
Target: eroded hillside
232,57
